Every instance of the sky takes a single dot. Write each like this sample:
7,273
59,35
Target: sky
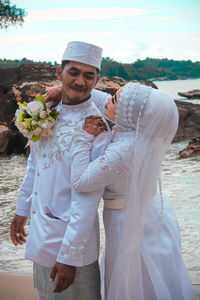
127,30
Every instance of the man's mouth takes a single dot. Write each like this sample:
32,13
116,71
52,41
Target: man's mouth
77,89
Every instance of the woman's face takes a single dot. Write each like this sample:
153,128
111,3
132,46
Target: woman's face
111,106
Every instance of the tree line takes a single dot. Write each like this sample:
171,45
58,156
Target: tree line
147,69
151,69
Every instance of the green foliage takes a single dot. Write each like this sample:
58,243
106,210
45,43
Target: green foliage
7,63
151,69
10,14
147,69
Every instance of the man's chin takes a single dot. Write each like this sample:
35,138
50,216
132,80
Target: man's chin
81,97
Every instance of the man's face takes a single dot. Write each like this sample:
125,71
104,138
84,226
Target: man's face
78,80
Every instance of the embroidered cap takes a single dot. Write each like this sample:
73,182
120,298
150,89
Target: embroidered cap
83,52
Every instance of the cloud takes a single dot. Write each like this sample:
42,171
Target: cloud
125,46
162,18
86,14
52,37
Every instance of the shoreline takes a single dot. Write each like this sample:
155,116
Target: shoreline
20,287
16,286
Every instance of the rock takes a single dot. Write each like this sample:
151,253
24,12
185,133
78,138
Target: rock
189,121
194,94
112,84
4,138
192,149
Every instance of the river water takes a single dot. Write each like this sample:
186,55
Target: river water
181,180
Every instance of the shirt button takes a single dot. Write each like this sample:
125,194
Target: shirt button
35,193
33,211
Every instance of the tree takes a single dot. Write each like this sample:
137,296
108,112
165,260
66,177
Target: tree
10,14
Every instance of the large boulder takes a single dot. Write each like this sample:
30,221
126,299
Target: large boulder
192,149
4,138
189,121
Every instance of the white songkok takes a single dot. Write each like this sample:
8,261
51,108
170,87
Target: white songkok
83,52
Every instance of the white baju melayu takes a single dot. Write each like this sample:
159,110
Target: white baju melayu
63,222
164,276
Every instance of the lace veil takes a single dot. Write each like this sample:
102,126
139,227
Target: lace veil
153,116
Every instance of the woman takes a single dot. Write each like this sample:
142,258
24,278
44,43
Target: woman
143,248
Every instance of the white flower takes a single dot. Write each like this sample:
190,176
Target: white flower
33,122
34,108
23,125
17,113
43,114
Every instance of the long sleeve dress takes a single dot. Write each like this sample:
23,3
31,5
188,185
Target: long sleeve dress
163,268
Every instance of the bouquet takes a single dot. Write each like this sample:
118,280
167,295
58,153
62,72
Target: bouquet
34,119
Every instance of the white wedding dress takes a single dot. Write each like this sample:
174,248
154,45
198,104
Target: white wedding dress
162,270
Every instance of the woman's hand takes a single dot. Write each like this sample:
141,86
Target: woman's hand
53,96
94,125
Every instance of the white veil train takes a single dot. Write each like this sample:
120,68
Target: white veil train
155,119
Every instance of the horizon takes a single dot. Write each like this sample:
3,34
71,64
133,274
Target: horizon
53,62
126,31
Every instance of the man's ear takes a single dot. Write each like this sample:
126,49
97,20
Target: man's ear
98,77
59,71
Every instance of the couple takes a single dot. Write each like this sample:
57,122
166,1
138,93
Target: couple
67,175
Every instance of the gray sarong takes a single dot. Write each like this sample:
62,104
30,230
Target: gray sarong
86,285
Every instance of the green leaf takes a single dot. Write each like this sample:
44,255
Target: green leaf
54,113
35,138
22,104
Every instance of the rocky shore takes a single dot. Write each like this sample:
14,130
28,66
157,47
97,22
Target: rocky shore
192,149
194,94
28,81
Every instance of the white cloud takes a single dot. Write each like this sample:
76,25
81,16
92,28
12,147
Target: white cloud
124,46
86,14
162,18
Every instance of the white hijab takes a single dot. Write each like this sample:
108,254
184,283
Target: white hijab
153,116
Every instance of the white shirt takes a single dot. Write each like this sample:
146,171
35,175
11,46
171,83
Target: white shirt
72,238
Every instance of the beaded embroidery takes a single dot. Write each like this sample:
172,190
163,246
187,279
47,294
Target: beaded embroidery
63,137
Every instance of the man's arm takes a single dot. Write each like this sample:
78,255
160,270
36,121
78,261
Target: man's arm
73,249
22,212
83,220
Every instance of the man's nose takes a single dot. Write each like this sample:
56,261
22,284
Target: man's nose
80,80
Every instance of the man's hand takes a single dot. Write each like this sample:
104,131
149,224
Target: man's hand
94,125
17,231
65,276
53,96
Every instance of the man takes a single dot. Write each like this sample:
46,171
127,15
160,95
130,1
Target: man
63,240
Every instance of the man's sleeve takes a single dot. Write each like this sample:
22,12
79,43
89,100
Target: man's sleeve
79,230
25,191
83,217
